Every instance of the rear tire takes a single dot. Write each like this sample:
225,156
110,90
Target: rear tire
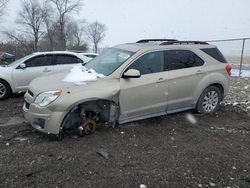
209,100
5,90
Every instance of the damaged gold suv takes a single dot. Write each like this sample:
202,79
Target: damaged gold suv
129,82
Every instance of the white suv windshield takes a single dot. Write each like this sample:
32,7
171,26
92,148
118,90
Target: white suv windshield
109,61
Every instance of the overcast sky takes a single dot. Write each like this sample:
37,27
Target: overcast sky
131,20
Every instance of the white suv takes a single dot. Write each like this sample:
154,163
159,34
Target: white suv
15,77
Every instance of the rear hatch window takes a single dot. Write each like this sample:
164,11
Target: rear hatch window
215,53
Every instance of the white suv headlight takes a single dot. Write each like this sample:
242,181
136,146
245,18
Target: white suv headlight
45,98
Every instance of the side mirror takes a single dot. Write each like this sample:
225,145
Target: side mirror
132,73
22,66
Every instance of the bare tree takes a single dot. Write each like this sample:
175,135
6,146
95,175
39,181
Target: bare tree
31,16
22,45
76,32
50,24
3,4
65,8
96,33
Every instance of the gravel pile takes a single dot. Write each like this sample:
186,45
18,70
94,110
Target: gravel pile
239,94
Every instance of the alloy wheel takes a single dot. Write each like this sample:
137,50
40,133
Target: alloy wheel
3,90
210,101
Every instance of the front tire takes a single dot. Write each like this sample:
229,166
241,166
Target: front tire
209,100
5,90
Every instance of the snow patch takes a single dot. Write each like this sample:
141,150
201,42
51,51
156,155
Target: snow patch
80,75
244,73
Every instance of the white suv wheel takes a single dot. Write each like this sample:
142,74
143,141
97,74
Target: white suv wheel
3,90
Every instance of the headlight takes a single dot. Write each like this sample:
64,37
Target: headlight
45,98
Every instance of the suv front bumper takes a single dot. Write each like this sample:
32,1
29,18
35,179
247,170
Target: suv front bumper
42,118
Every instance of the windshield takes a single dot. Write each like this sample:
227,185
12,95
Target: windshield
109,61
20,60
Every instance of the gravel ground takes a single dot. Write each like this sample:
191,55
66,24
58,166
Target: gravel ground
239,94
167,151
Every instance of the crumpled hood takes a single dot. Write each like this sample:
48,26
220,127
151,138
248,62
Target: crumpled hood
49,82
55,81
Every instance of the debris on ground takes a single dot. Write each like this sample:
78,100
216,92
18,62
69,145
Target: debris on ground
103,153
212,184
143,186
21,139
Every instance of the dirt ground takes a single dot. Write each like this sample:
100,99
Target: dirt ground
167,151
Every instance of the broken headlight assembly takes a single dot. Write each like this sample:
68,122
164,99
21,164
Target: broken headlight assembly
45,98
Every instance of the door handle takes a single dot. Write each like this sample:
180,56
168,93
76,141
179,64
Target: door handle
160,80
46,70
199,72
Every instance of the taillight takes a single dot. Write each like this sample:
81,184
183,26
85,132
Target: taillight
229,69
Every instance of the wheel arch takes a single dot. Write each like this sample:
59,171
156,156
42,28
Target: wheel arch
220,86
108,109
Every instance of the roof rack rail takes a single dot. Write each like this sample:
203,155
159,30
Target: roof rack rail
156,40
183,42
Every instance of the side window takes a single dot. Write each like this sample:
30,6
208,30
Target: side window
66,59
215,53
44,60
180,59
152,62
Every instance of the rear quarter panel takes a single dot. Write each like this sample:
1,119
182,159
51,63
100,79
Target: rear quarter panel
214,74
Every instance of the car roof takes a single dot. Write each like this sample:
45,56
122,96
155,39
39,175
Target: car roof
79,55
151,45
55,52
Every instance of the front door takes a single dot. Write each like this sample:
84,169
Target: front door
145,96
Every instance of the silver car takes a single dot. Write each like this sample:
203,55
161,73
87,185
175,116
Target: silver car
15,77
129,82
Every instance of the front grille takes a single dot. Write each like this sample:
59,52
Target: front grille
30,93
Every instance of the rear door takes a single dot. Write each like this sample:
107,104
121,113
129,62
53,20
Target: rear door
35,66
65,61
185,70
144,96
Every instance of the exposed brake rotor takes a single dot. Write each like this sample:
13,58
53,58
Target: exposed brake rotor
89,126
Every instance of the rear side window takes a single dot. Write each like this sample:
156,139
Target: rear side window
152,62
215,53
67,59
180,59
